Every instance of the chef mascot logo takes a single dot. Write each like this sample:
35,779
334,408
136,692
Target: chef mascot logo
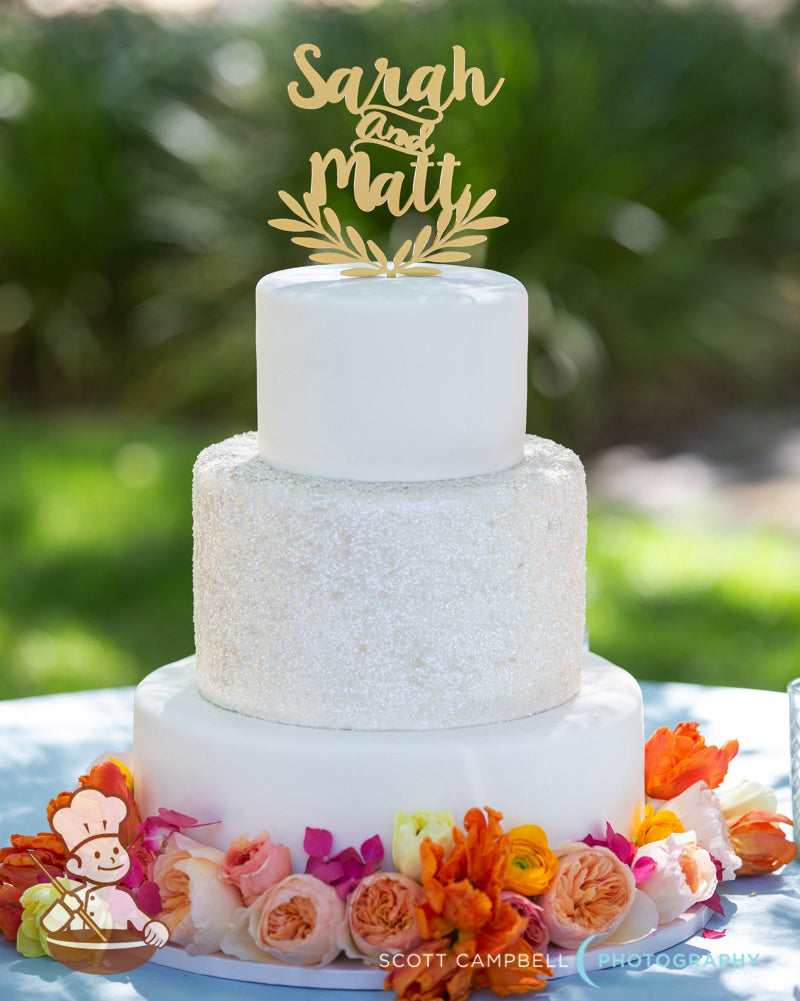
95,925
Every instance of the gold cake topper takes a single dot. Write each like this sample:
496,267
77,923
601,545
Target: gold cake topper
385,122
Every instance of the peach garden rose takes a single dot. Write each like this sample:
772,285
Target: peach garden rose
299,921
197,905
380,916
591,893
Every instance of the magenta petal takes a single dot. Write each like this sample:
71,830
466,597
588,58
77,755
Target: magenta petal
175,819
710,933
135,873
318,842
343,888
149,898
593,842
620,845
714,904
643,868
372,849
353,870
326,872
346,855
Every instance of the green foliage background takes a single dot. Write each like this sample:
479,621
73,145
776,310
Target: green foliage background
647,157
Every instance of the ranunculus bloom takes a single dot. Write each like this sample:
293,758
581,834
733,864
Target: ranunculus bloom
657,826
380,916
18,868
760,843
298,921
36,901
198,906
698,810
536,934
590,895
410,830
676,759
531,864
746,796
254,865
10,910
684,875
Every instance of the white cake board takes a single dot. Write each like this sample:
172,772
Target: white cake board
350,975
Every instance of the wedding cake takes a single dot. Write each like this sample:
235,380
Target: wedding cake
389,585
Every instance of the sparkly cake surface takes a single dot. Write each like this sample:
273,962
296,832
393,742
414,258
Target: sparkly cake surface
388,606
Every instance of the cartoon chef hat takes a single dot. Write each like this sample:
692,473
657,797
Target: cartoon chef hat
89,814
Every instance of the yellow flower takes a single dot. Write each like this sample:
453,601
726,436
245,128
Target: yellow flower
36,901
657,826
411,829
532,864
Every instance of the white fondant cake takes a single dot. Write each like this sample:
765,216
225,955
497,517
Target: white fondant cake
389,586
391,379
384,606
569,770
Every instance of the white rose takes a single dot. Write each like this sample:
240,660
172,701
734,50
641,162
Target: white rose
698,809
410,830
684,875
747,796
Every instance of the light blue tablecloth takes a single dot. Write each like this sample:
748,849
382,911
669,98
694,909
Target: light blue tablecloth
45,743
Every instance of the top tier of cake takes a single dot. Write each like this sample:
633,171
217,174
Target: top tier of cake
391,379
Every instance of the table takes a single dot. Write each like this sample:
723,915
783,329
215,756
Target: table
47,742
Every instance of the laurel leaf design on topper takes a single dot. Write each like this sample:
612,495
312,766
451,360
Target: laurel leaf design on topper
459,224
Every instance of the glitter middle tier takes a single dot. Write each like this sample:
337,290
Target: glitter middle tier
388,606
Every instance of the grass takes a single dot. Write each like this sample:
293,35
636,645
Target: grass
95,576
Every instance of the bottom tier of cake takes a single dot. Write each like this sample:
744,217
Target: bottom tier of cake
570,770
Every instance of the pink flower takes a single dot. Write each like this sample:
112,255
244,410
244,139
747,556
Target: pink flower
154,831
536,934
625,851
685,874
298,920
255,865
380,916
344,869
590,895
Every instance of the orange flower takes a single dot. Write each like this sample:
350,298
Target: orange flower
532,864
466,922
657,826
760,843
10,911
517,970
109,778
18,868
676,759
462,893
434,972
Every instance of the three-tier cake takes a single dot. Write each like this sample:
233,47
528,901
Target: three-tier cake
389,585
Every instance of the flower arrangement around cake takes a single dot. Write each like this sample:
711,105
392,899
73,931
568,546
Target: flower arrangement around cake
458,909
